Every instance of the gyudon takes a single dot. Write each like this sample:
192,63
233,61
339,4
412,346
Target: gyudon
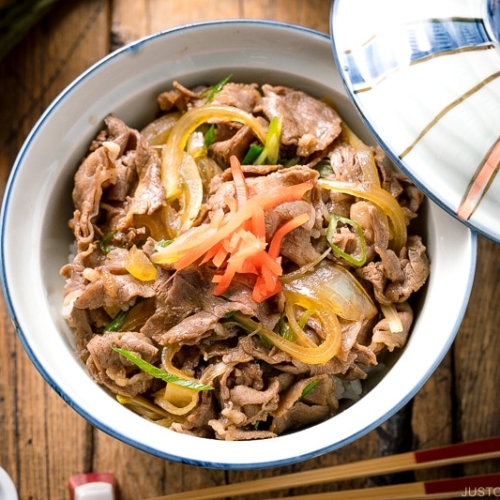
241,263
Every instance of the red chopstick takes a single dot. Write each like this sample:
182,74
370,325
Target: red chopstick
481,449
463,487
473,449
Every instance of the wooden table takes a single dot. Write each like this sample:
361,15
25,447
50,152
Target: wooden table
43,441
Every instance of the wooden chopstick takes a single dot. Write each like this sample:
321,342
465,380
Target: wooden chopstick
486,485
481,449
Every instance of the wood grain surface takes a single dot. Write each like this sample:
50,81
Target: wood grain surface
43,441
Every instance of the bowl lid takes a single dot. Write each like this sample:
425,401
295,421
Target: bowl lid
425,77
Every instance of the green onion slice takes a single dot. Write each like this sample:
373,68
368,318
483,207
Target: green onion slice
307,389
161,374
162,244
209,137
253,153
217,88
271,151
104,243
332,229
117,322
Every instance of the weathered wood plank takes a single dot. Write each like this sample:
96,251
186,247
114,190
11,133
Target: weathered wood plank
432,416
133,20
476,356
43,440
11,355
314,14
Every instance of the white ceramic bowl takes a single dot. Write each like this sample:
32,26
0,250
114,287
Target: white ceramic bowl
426,78
7,488
35,238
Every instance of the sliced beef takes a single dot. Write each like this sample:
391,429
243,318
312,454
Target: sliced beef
79,321
239,95
295,410
179,97
345,164
237,145
408,195
297,245
394,278
95,172
114,371
255,349
106,289
384,337
308,123
243,395
75,280
190,330
149,194
187,309
225,430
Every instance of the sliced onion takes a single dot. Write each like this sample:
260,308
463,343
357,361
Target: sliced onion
177,400
215,370
146,409
196,145
380,197
310,355
139,266
154,223
300,335
208,169
179,135
157,132
138,315
167,355
332,286
191,197
393,319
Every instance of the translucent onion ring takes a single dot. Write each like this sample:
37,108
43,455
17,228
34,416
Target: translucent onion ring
380,197
311,355
177,400
333,287
179,136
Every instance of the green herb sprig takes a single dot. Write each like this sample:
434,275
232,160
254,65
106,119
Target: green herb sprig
161,374
216,88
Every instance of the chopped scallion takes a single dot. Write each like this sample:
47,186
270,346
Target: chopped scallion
283,329
289,163
324,168
161,374
271,151
209,136
104,243
332,229
307,389
162,244
265,342
253,153
217,88
117,322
